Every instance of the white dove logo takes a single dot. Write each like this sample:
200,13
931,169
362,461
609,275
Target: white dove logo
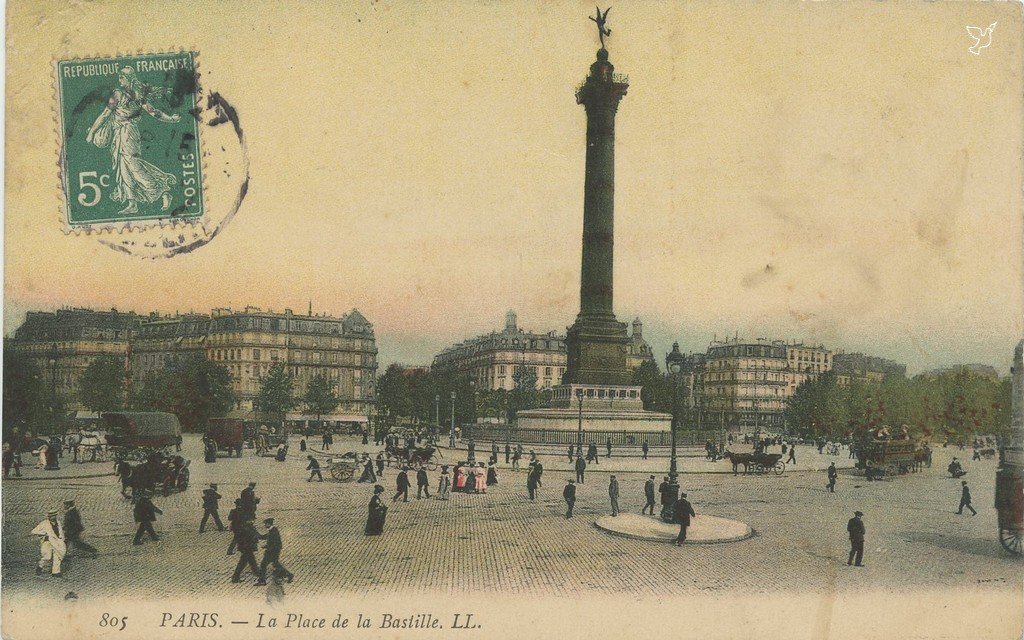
982,38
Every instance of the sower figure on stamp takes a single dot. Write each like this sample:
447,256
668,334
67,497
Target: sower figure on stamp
272,553
145,515
649,495
855,527
51,544
73,528
135,179
211,500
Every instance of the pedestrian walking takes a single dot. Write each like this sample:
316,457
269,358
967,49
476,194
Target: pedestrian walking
515,459
492,474
569,495
645,449
248,543
145,513
368,473
480,479
965,499
314,469
683,513
608,447
422,483
833,475
792,455
249,502
326,441
649,495
613,495
236,518
444,484
508,452
402,484
570,452
581,467
302,444
52,547
380,465
855,527
471,450
211,500
272,554
592,454
531,482
494,450
377,512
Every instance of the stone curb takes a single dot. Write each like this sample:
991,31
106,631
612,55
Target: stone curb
94,475
634,536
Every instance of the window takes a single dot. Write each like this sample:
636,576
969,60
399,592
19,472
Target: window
273,354
501,370
255,354
547,371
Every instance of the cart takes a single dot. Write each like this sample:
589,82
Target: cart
342,469
759,463
414,457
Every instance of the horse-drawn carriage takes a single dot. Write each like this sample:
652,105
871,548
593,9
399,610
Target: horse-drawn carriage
159,471
412,456
758,462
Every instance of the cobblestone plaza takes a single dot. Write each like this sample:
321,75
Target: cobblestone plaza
501,542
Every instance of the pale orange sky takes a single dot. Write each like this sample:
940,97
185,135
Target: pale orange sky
424,163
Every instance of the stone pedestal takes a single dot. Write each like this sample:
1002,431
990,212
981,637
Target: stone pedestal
604,408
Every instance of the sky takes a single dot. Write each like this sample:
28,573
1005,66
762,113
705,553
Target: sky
838,173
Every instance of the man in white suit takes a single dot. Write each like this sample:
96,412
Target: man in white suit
52,547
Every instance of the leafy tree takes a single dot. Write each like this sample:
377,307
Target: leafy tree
26,395
393,399
193,388
320,397
102,386
277,392
656,389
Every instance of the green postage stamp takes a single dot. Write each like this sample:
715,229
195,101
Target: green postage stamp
130,149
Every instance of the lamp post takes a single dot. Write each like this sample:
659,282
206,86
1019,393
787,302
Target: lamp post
53,384
668,510
579,439
437,411
451,434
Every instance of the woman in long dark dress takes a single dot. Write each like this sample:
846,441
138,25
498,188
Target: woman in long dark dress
377,511
492,475
368,474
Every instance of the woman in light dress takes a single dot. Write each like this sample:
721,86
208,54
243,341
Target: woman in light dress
481,479
444,485
135,180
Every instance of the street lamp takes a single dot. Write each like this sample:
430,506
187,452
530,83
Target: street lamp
668,511
53,383
451,434
579,443
437,411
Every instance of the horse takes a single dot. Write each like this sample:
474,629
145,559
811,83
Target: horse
746,459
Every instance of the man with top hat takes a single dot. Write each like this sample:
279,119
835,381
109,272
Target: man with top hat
52,547
210,507
73,528
145,515
855,527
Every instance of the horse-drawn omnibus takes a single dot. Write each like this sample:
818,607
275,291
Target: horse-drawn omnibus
136,434
227,434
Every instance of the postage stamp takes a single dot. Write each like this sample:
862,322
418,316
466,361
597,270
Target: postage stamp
131,148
